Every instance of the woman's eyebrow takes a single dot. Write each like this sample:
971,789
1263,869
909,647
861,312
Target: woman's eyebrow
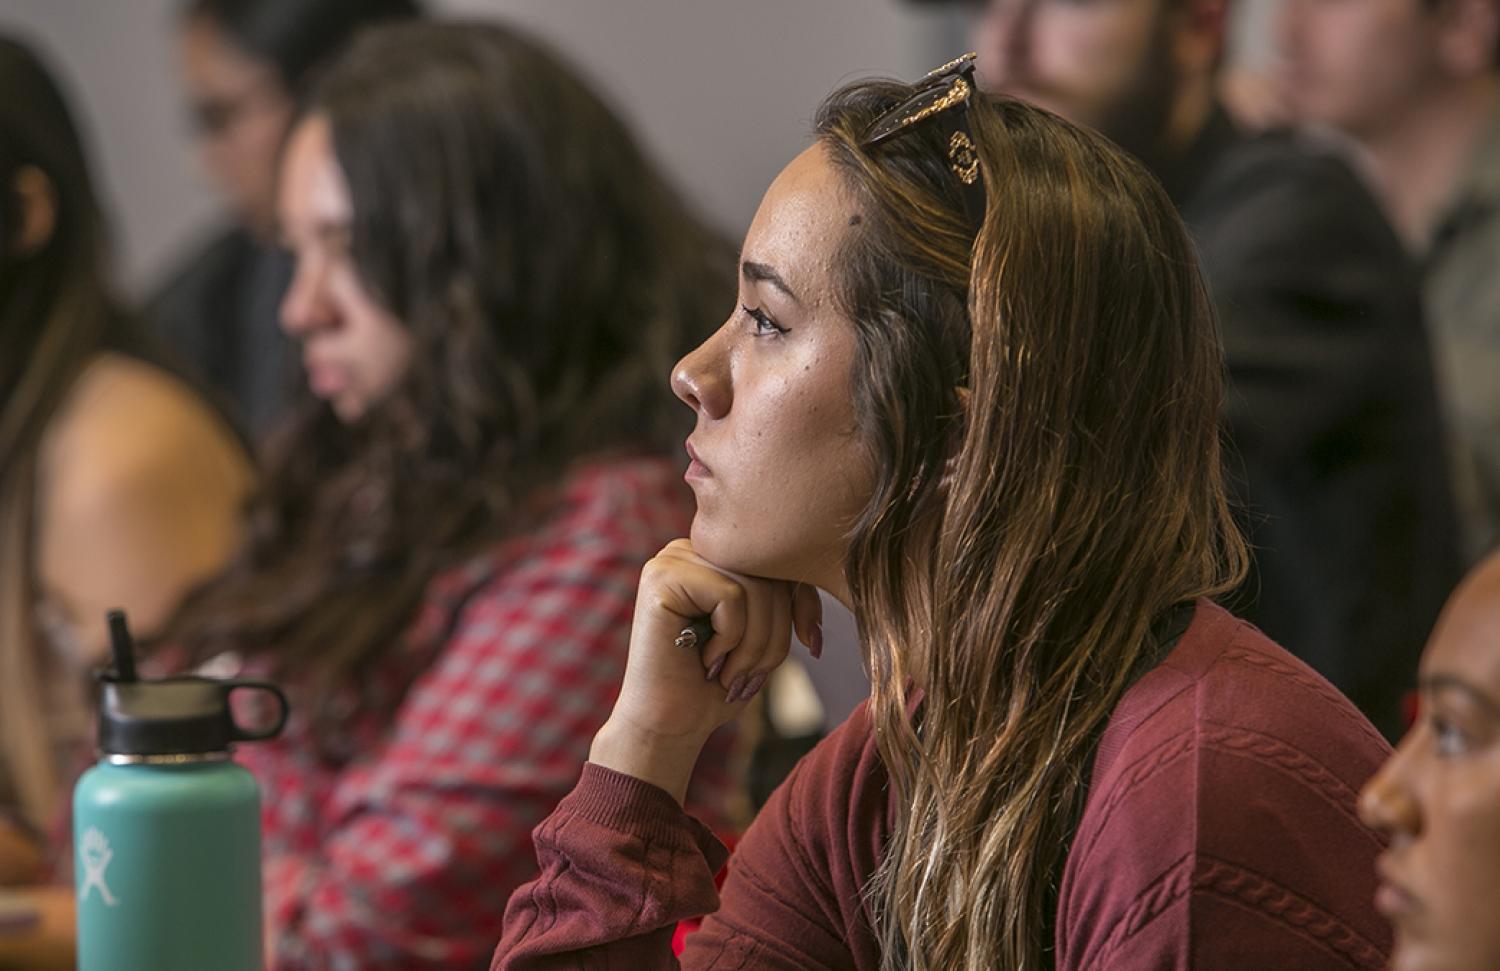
763,273
1449,682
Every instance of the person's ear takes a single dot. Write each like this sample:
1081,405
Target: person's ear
1468,34
37,211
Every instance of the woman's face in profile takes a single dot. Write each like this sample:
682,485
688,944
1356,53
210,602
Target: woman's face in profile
1438,798
354,351
779,469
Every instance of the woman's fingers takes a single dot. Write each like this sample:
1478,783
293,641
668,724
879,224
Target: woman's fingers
689,589
766,643
753,619
758,630
665,709
776,648
807,617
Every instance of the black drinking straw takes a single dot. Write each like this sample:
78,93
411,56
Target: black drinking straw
122,646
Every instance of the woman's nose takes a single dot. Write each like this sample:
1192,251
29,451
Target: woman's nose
1387,803
306,307
702,379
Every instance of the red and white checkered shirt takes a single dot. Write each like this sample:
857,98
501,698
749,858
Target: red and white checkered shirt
403,855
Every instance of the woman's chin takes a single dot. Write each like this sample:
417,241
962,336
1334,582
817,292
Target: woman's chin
727,550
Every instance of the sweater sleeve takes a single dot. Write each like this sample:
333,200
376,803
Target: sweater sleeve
621,864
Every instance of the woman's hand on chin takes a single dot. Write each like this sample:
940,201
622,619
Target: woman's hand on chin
674,697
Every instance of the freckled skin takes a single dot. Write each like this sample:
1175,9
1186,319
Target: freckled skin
776,426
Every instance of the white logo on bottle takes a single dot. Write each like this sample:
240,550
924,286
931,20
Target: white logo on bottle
95,854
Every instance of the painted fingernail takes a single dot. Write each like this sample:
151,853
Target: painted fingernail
816,647
756,683
734,689
713,671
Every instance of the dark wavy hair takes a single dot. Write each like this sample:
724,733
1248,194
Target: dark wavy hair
549,277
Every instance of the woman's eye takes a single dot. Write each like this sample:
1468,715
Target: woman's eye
1451,740
763,322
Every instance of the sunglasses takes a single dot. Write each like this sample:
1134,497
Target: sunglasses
943,98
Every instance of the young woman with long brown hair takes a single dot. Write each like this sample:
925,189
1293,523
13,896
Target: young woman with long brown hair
489,276
971,388
441,566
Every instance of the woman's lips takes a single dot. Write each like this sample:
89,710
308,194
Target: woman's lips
326,380
696,469
1392,899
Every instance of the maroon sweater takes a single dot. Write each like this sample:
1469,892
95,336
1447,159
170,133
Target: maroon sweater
1219,832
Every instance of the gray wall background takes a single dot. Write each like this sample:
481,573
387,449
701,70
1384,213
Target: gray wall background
721,91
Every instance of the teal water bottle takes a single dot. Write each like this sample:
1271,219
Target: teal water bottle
166,829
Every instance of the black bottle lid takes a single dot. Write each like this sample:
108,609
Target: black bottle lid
171,716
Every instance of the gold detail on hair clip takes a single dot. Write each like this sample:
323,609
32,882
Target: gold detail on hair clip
956,94
963,158
953,65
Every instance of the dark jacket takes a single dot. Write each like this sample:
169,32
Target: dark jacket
1337,448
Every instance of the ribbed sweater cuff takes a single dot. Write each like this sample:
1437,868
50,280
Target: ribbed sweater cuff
625,804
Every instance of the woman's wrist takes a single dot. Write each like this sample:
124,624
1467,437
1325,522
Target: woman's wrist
664,761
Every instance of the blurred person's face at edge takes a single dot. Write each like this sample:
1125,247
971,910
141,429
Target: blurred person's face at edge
779,469
1438,798
354,351
240,111
1354,63
1113,65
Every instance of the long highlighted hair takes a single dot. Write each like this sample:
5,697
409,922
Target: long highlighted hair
1041,397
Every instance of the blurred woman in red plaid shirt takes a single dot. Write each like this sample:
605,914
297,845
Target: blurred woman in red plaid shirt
490,281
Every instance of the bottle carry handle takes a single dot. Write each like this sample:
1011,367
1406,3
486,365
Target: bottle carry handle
283,706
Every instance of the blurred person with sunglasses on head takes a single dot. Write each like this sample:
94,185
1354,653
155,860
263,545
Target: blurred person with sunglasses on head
245,66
